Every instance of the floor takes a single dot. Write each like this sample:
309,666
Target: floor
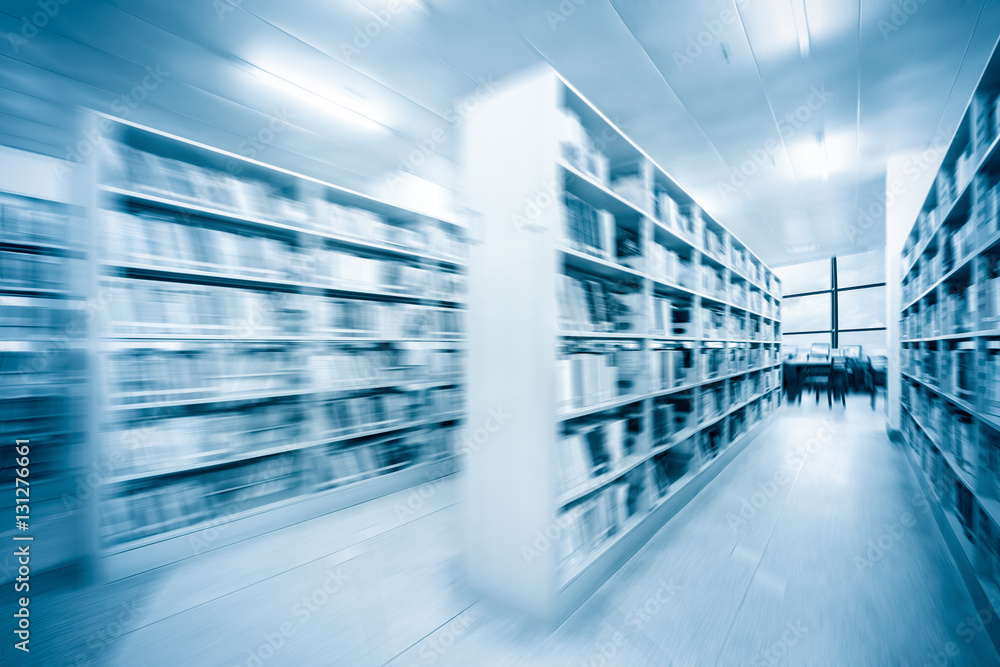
814,547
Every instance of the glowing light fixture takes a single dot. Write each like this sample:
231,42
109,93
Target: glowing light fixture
801,25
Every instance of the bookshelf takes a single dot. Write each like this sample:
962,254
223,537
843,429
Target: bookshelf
631,339
276,347
45,366
950,337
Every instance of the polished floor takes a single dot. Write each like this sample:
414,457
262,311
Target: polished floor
814,547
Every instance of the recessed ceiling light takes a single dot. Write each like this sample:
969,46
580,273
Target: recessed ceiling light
802,247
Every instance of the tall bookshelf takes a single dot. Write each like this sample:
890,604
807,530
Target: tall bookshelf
623,346
44,365
950,336
274,347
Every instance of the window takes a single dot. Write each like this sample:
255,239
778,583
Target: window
873,343
840,301
864,268
808,277
806,313
805,341
861,308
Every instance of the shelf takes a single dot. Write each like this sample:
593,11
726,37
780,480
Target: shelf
596,194
576,413
221,160
49,249
247,221
948,456
125,337
581,491
960,267
613,335
985,159
990,333
692,481
126,480
989,420
592,264
200,277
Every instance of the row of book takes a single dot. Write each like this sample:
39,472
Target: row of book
955,312
148,374
683,221
991,376
579,148
26,318
29,271
153,445
672,317
951,428
952,369
188,440
667,266
132,169
596,374
166,243
596,306
34,225
347,367
632,187
227,492
673,367
588,229
224,492
339,269
590,449
362,224
588,524
177,309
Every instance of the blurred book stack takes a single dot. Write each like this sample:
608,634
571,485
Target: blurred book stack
268,340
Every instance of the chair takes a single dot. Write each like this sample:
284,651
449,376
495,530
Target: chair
819,350
839,379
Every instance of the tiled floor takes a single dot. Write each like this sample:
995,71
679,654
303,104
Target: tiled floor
814,547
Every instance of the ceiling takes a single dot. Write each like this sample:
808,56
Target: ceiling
782,137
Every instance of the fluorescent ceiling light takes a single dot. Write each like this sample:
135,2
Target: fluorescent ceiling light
343,104
824,155
801,25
